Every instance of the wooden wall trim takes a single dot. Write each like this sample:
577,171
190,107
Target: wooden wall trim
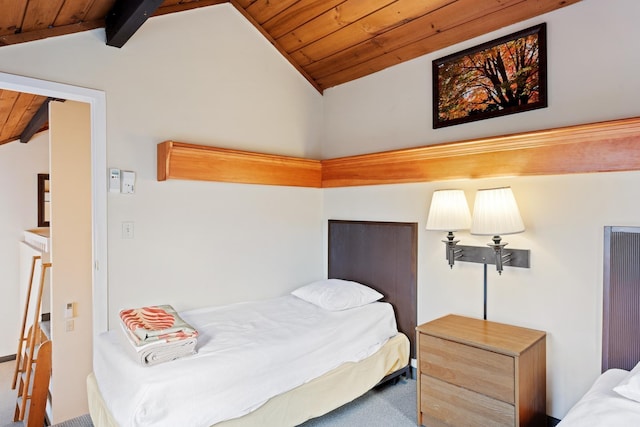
596,147
177,160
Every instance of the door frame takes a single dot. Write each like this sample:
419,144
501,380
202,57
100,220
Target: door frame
97,101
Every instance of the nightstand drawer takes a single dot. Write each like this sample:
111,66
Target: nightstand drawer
443,404
469,367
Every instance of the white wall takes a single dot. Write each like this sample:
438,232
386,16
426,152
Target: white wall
20,165
234,90
593,63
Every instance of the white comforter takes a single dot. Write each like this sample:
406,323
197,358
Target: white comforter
603,407
247,353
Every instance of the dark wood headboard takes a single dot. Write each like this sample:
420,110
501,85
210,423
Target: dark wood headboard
382,255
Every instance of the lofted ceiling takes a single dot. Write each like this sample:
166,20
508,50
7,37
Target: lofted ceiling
329,42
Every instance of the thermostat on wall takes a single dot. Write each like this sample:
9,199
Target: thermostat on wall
114,180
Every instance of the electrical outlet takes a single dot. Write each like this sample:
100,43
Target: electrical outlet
69,325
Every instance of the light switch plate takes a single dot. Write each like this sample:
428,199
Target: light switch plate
68,310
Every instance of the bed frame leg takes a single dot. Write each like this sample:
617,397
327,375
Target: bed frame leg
394,377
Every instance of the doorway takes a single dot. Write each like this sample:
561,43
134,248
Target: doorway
97,102
69,404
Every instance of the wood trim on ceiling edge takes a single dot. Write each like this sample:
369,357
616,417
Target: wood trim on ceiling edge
596,147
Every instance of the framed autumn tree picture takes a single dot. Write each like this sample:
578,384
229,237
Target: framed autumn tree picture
504,76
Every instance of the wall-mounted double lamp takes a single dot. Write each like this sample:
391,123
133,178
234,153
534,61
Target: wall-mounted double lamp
495,213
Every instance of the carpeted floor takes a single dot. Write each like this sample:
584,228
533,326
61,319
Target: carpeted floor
388,405
7,396
83,421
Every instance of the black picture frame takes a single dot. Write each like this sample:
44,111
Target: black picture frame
471,85
43,200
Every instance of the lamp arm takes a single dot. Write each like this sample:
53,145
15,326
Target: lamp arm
452,251
501,257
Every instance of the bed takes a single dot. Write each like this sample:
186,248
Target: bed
613,400
327,366
614,397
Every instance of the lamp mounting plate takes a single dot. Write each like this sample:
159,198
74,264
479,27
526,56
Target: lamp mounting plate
486,255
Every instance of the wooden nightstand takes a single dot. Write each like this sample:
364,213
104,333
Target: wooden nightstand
474,372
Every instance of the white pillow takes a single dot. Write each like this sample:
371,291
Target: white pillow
629,387
337,294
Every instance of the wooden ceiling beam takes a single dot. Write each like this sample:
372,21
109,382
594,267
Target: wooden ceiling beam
126,17
39,119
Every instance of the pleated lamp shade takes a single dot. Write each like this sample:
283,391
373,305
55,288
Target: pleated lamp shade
449,211
496,212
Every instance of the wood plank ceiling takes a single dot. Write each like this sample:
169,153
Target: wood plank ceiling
329,42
